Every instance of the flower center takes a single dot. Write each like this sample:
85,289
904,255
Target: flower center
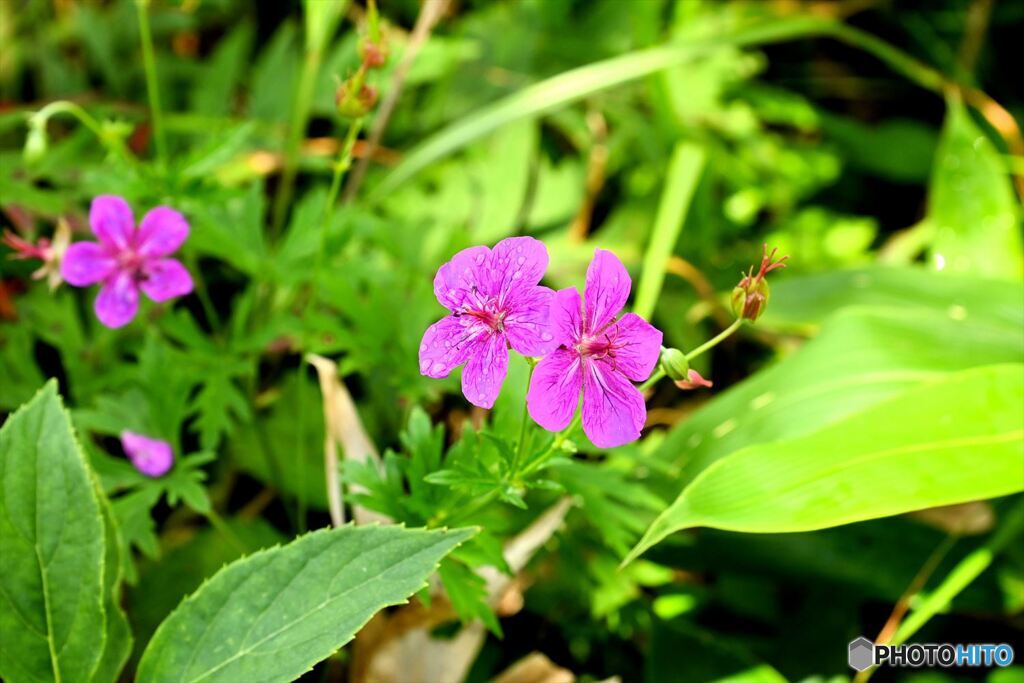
493,319
128,260
601,346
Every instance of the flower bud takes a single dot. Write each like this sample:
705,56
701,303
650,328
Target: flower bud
374,54
750,296
675,364
35,142
355,100
693,381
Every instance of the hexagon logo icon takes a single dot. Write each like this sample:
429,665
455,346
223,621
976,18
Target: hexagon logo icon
861,653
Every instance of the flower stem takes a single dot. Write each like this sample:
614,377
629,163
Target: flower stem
149,64
111,142
341,167
521,446
713,342
659,372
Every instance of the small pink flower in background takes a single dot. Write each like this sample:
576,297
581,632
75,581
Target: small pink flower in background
598,355
45,250
126,259
496,302
152,457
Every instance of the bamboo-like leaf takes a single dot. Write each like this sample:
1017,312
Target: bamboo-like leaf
684,171
971,204
52,621
272,615
956,439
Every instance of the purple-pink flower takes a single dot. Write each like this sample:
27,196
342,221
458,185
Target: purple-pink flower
598,355
496,302
152,457
126,259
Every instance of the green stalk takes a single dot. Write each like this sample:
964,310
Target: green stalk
149,64
114,144
684,171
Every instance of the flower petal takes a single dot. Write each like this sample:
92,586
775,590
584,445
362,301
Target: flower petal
607,289
152,457
517,263
567,316
555,390
165,279
86,263
118,300
637,346
485,371
111,220
528,322
161,232
448,343
613,409
464,279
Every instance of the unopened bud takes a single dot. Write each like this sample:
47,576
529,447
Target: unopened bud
355,102
750,296
374,54
693,381
35,142
675,364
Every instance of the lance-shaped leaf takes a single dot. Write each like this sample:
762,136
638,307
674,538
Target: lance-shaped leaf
949,441
273,615
52,625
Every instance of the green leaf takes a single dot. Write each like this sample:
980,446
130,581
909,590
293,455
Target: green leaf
215,85
274,614
861,357
684,172
803,302
971,204
119,635
557,91
52,621
944,442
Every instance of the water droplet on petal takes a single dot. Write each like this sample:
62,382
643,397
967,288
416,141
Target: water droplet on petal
545,336
516,275
437,367
521,260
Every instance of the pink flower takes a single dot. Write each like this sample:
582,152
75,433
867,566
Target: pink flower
598,355
152,457
495,302
126,260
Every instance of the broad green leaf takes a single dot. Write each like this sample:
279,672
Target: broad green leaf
971,204
684,172
802,302
52,621
274,614
118,643
861,357
957,439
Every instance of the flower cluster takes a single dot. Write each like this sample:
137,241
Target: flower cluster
496,302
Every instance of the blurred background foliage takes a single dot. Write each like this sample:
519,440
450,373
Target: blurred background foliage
875,142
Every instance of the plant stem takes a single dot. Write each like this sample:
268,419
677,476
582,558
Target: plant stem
341,167
111,142
204,295
711,343
521,446
149,64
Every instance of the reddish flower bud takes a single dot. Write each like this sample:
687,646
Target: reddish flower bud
355,99
693,381
373,54
750,296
